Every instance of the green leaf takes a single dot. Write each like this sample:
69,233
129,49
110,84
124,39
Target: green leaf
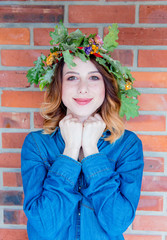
68,58
71,47
36,72
46,79
129,107
110,39
75,38
132,92
81,55
59,35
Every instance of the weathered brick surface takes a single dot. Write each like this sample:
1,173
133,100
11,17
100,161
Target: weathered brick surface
22,99
150,79
83,14
13,234
150,223
21,58
10,198
14,120
147,123
15,79
14,36
31,14
15,217
153,14
152,58
12,179
141,36
10,160
13,140
153,164
150,203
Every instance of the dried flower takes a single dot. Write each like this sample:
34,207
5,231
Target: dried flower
98,40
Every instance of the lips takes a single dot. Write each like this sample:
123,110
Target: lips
83,101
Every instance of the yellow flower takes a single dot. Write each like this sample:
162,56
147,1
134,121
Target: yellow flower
91,52
93,47
50,59
128,85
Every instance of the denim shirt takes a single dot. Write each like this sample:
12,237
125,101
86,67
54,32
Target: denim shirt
94,199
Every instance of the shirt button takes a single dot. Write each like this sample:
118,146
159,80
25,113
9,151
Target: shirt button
79,213
79,187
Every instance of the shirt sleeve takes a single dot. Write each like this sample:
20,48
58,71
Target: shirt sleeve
49,195
114,191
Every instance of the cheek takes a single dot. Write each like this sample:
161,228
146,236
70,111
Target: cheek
101,91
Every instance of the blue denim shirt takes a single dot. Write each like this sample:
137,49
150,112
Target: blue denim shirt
94,199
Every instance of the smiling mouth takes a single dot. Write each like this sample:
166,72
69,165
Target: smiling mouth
83,101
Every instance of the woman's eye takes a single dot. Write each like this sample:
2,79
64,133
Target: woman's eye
94,78
71,78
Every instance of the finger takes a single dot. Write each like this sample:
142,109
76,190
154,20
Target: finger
97,116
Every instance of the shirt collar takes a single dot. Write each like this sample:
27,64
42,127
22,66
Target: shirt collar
54,131
106,133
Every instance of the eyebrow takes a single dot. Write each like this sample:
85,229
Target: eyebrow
78,73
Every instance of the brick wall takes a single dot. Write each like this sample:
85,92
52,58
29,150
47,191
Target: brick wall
24,28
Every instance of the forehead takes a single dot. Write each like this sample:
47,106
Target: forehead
81,67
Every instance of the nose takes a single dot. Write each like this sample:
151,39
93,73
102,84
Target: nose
83,87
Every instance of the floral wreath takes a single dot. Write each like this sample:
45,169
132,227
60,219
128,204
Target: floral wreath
77,44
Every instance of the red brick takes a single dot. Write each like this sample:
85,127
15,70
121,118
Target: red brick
153,164
31,14
86,14
13,79
13,234
150,203
14,217
154,143
154,184
150,79
153,14
12,179
39,40
38,120
21,58
22,99
147,123
10,198
142,237
142,36
10,160
152,58
124,56
13,140
14,120
14,36
153,102
150,223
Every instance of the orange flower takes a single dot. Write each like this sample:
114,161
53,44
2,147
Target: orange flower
51,58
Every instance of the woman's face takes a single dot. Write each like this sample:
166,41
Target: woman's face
83,89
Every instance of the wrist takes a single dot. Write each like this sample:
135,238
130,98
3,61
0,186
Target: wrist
71,152
89,150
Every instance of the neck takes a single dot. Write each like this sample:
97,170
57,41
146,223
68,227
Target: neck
81,118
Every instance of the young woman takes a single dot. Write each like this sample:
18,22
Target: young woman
82,174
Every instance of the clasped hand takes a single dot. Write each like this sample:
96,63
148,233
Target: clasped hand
77,134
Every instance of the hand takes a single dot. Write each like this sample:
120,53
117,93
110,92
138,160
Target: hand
92,130
71,131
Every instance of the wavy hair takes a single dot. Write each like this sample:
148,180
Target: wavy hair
53,110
